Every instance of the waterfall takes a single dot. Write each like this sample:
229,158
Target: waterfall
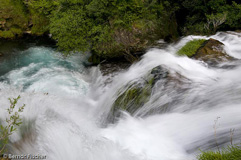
68,104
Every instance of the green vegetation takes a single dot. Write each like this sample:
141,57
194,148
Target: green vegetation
135,95
133,98
191,47
6,34
12,122
206,17
116,28
110,28
229,153
13,18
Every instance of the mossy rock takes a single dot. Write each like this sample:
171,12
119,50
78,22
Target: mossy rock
136,95
212,52
191,47
133,98
158,80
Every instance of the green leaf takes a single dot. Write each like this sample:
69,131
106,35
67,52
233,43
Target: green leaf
11,129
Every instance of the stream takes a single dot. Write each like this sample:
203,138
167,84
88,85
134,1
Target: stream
67,105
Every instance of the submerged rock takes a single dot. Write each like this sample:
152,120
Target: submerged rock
138,93
130,99
134,96
158,73
212,52
1,54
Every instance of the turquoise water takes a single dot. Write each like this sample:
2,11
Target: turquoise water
43,69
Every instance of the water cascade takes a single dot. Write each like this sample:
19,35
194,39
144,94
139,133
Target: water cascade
68,106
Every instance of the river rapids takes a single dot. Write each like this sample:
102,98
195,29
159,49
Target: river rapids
67,105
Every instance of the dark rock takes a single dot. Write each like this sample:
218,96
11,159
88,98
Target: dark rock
108,68
94,59
158,73
134,96
212,53
1,54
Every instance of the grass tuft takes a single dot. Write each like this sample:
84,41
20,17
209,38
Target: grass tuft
229,153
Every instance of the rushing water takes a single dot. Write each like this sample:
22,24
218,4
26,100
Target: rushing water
67,106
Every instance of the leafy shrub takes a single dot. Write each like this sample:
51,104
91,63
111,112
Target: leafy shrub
12,121
191,47
110,29
234,16
195,29
17,31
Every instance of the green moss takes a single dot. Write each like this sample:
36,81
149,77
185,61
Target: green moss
128,97
11,33
6,34
133,98
191,47
229,153
16,31
151,81
14,12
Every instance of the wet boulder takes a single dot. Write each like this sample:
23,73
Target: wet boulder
159,80
168,77
139,92
212,52
158,73
131,98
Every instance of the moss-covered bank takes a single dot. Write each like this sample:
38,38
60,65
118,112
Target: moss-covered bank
17,17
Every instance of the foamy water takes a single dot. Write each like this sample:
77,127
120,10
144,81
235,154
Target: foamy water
67,106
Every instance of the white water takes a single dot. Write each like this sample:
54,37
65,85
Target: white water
70,121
